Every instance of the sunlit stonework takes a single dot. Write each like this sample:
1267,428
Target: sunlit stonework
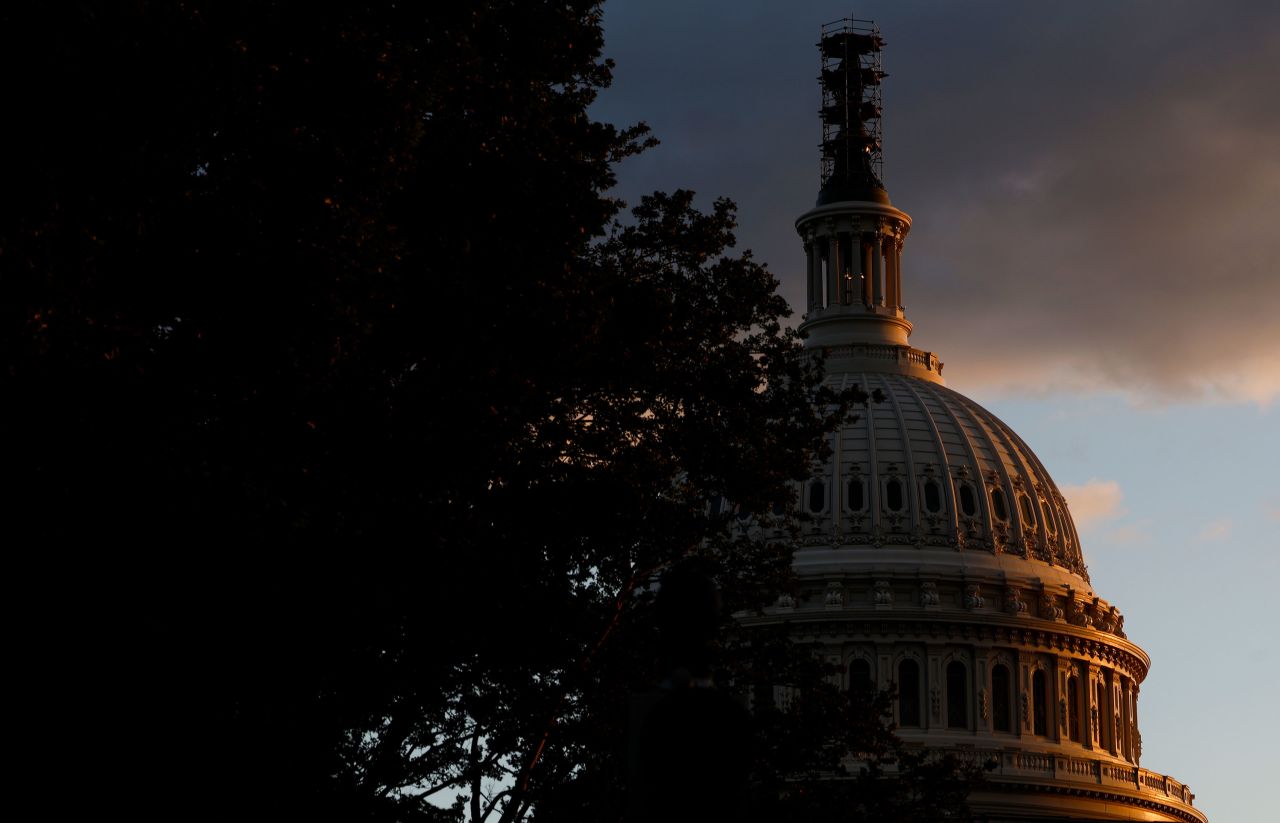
941,557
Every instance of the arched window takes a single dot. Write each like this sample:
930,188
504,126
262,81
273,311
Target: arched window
1000,703
908,693
717,505
860,676
1104,727
817,496
1073,708
1040,703
1028,514
932,496
1048,518
957,696
998,507
968,503
856,498
893,495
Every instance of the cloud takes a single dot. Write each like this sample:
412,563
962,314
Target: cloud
1110,229
1097,215
1215,531
1143,260
1093,502
1273,510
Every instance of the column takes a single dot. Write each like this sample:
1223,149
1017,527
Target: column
877,271
1092,711
808,271
1125,720
1137,732
897,274
1062,707
1117,728
982,692
867,275
1022,694
835,264
935,678
846,279
890,271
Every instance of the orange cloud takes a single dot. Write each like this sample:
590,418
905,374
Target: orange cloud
1215,531
1094,502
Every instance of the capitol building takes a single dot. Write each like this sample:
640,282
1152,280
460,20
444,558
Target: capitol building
939,557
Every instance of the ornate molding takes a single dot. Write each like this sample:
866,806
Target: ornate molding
986,628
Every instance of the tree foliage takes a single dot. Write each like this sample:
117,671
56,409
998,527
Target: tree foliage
829,753
349,418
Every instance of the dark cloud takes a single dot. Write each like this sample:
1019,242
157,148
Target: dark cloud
1095,188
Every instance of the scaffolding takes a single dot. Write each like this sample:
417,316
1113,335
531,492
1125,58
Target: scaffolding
851,75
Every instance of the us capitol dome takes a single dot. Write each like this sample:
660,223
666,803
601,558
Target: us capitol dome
940,557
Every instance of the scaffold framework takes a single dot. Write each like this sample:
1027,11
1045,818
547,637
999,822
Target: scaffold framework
851,103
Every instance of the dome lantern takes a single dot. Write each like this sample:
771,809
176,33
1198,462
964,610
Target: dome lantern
853,237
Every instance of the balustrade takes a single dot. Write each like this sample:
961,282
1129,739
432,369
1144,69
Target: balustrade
1076,770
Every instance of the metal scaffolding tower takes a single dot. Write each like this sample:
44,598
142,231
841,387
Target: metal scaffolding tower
852,158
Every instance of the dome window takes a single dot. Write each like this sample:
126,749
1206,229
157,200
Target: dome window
957,696
1048,519
1028,513
1040,701
1104,728
908,693
968,503
857,499
893,495
932,496
860,676
817,496
1001,704
998,506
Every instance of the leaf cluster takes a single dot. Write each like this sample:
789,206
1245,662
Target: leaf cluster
832,754
347,418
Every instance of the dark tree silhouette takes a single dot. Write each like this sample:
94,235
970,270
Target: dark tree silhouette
346,420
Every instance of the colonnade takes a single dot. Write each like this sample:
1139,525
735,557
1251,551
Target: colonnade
1006,693
851,268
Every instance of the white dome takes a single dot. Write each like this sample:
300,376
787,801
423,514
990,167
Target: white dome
927,476
938,559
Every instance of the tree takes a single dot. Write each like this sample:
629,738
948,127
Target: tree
349,418
832,754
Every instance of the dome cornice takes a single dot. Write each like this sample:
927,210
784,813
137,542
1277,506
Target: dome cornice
817,626
854,214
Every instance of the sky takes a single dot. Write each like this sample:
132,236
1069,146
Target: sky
1095,255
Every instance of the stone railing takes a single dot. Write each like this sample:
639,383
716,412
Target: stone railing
1077,770
888,352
